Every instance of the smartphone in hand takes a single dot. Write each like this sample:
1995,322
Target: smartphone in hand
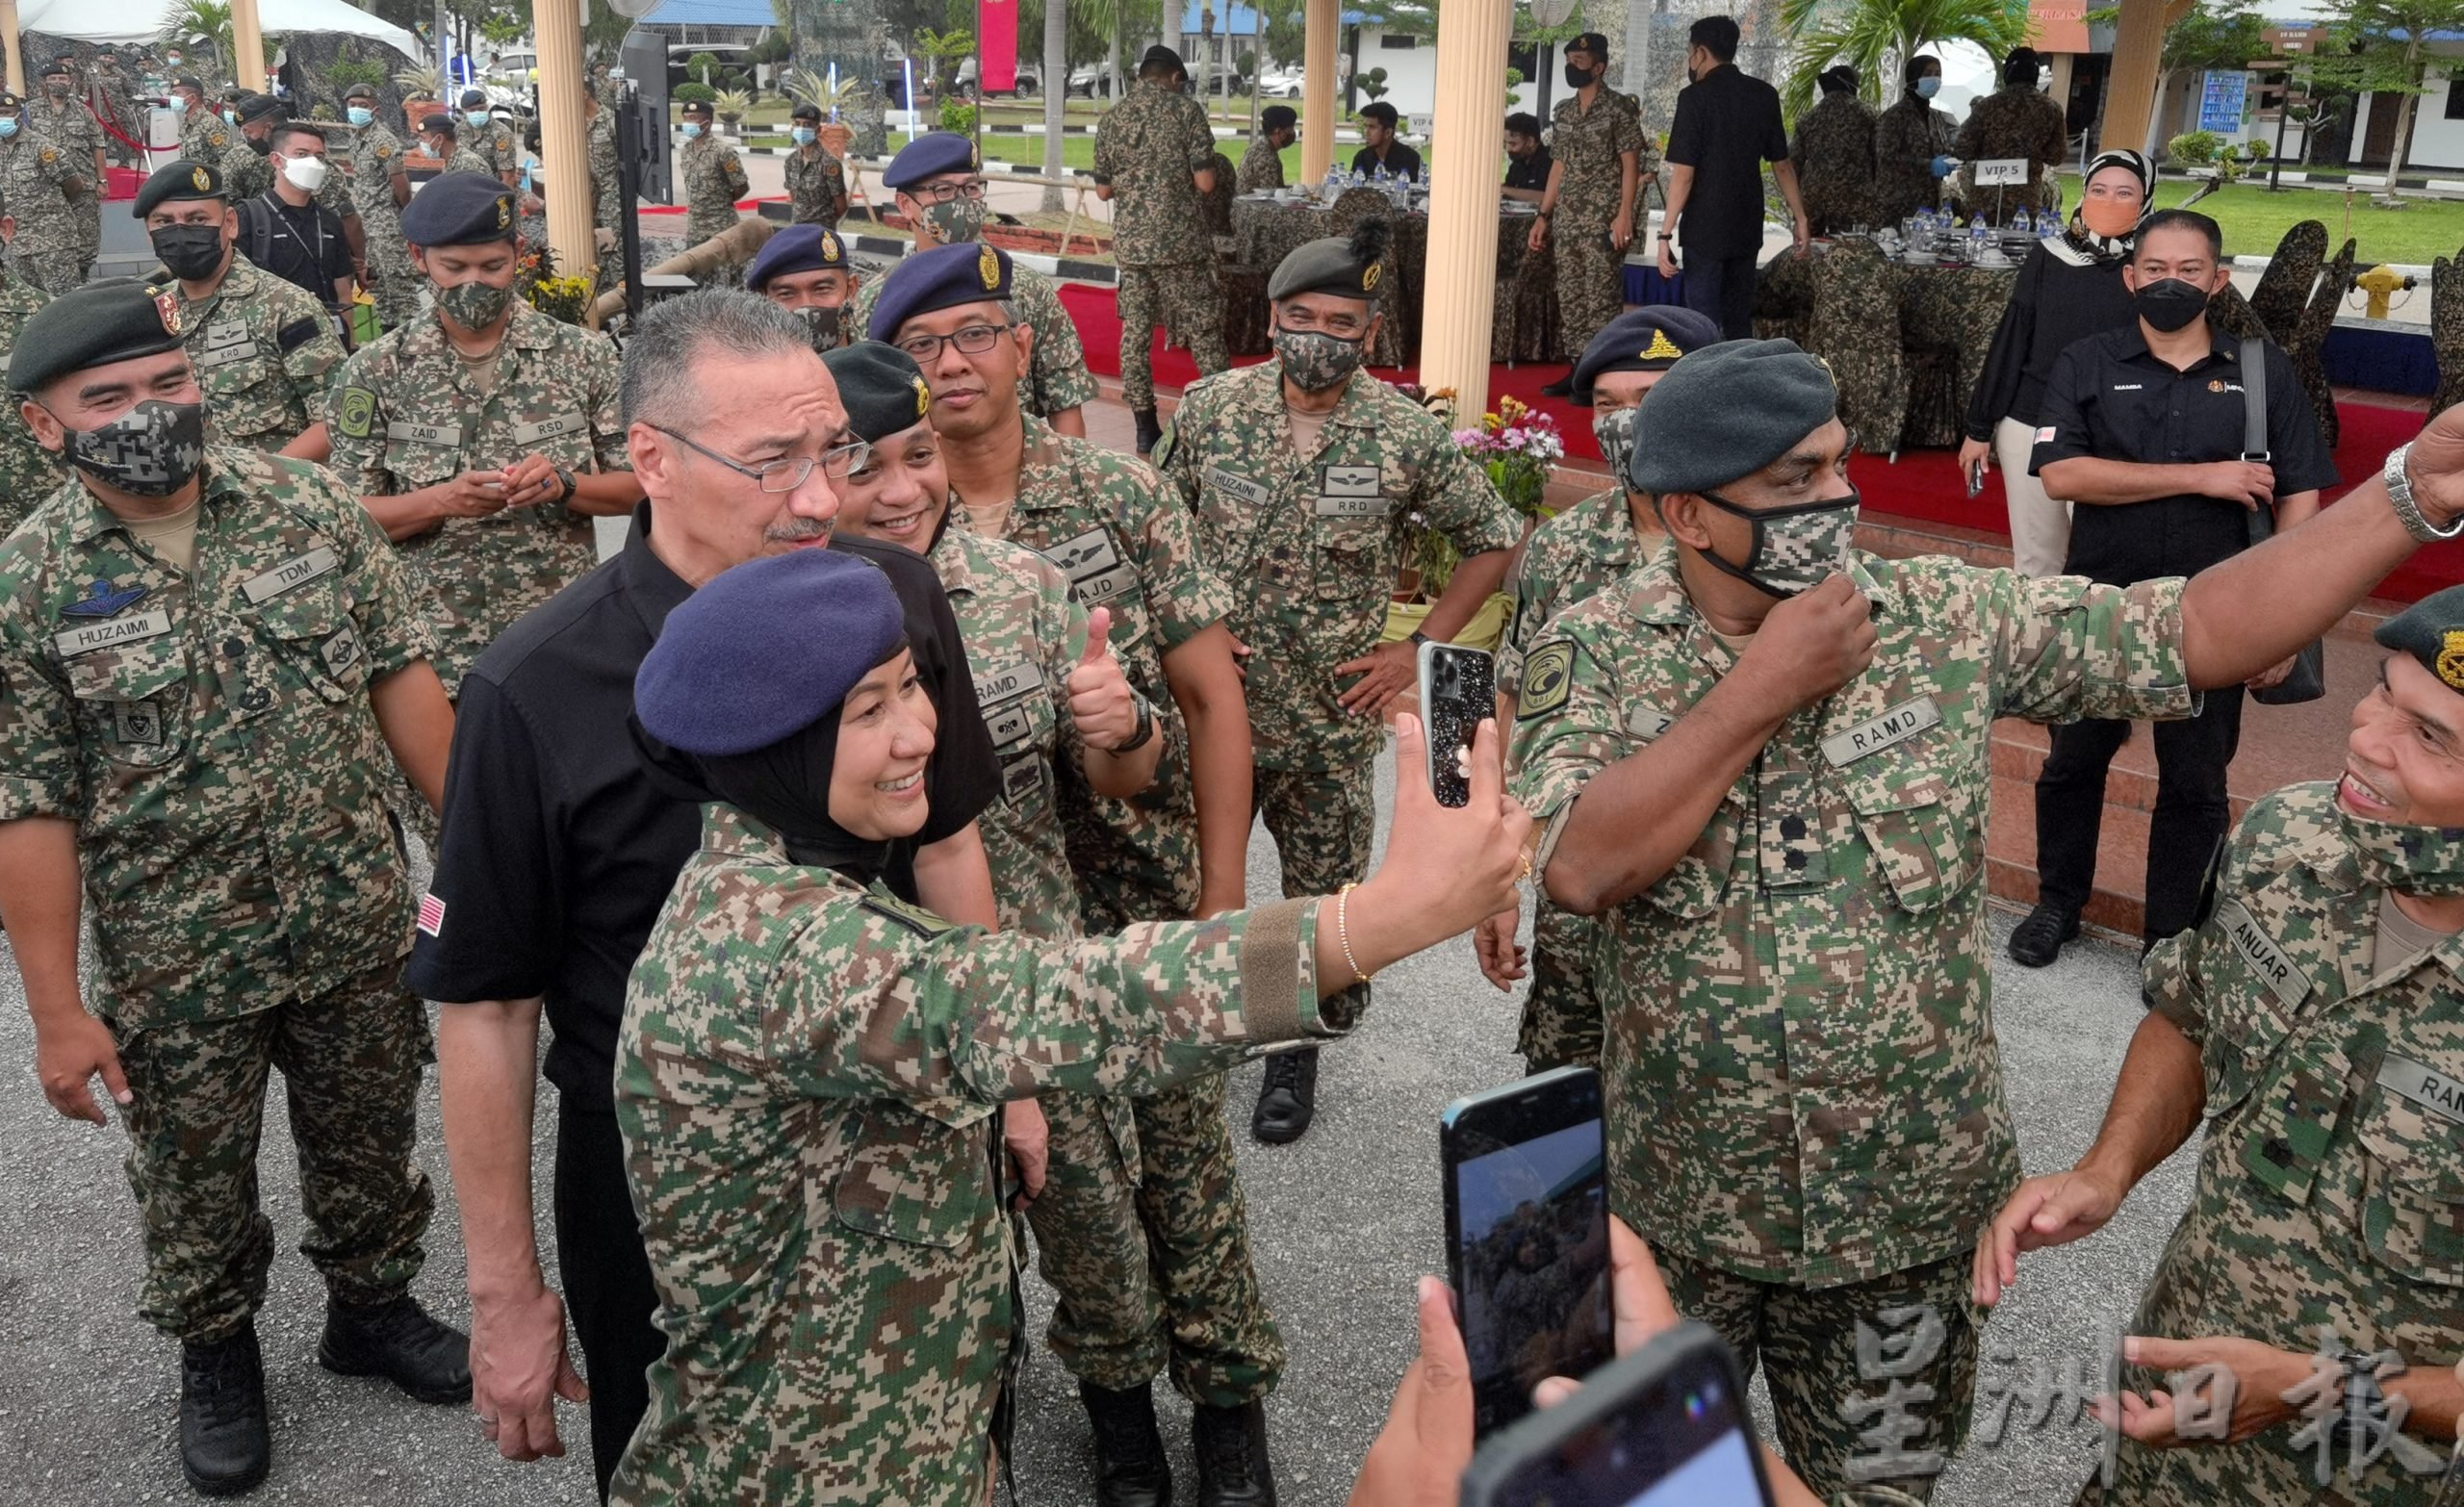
1975,478
1458,690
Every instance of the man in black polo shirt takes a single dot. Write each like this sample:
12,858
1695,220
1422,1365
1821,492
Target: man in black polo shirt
559,847
2143,427
1728,125
1527,160
286,232
1377,127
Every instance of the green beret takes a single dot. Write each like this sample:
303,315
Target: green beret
1346,266
2432,632
1726,411
882,389
181,180
118,320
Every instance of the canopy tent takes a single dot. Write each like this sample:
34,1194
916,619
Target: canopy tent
143,21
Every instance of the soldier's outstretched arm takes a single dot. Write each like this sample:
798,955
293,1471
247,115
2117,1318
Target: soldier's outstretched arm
39,900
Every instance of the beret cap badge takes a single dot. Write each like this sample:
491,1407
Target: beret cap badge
924,402
1368,276
504,213
203,180
988,267
2451,659
1661,347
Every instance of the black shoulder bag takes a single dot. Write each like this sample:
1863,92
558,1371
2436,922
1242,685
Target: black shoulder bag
2307,680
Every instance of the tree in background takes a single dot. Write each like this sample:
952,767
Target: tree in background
1287,35
2215,34
1877,36
2381,47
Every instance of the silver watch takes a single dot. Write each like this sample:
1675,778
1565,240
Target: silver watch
2400,492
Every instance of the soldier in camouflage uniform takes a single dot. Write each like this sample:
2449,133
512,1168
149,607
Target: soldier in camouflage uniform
1834,150
1586,549
490,138
33,179
1805,1114
1912,147
483,435
262,350
57,121
28,472
204,135
442,138
939,180
1177,849
116,97
867,1364
606,179
2015,120
1303,474
816,180
206,653
379,185
1262,164
1602,167
713,178
1154,156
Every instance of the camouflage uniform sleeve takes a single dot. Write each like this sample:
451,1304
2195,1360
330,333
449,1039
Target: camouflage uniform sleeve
2174,972
1565,724
1201,137
2064,648
354,427
1628,137
40,773
392,631
1186,596
1107,147
309,349
739,185
602,380
54,164
1061,380
947,1018
1175,461
1523,628
1460,500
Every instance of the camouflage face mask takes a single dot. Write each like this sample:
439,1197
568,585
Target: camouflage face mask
822,325
2411,861
1795,547
957,222
475,306
152,451
1614,430
1315,360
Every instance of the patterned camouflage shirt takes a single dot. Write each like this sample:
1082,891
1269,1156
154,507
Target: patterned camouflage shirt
263,352
2331,1176
32,172
1798,1017
2012,122
814,1171
1261,167
376,153
1059,380
816,186
1315,541
495,145
1580,552
1907,138
1834,150
1126,545
210,735
1146,147
28,472
606,180
405,414
1588,142
204,137
714,181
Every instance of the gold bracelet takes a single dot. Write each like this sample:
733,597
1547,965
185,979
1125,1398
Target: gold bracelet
1343,934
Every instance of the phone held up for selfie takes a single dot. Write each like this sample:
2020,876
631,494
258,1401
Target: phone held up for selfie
1526,1235
1662,1427
1458,690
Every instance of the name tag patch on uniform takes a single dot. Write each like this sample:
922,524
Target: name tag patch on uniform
86,637
297,571
914,918
1093,565
1008,683
1256,493
553,428
443,436
225,355
1898,724
2288,984
2435,1091
1350,492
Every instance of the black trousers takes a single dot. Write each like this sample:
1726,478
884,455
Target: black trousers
2191,811
1721,290
607,1272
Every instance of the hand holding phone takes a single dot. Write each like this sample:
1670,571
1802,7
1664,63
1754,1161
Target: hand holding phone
1975,478
1458,694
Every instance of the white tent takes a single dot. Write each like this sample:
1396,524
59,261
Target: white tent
142,20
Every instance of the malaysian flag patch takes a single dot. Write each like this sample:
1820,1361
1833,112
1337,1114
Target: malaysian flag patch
431,915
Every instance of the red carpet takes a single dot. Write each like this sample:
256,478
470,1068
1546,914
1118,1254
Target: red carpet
1923,484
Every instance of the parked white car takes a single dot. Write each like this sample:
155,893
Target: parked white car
1280,84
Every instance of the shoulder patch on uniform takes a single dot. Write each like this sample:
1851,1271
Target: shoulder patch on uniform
1160,455
915,918
355,411
1547,676
296,334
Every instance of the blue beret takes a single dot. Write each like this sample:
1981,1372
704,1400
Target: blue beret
881,388
1642,340
942,278
929,156
459,208
1726,411
116,320
717,681
181,180
2432,632
798,248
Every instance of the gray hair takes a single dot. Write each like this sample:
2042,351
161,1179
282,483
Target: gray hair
672,335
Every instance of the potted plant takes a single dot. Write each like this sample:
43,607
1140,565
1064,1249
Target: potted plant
731,106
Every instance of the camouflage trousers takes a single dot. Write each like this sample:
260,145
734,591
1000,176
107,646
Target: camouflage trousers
1322,821
395,285
1561,1015
351,1064
1835,1426
1591,285
55,268
1187,302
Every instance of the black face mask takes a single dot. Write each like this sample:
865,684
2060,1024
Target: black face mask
2168,304
1578,77
262,145
189,253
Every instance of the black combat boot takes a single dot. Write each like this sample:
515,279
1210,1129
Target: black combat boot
1130,1468
399,1343
2038,940
1231,1447
1149,430
1288,1099
224,1444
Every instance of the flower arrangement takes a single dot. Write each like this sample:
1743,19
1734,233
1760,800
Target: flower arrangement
565,299
1518,447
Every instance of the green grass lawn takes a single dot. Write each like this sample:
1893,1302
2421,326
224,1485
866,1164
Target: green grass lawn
2255,219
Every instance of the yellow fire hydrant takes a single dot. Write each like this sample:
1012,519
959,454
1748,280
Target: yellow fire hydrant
2378,284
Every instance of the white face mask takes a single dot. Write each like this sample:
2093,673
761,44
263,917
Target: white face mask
307,174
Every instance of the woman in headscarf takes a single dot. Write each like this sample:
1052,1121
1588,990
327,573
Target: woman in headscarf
809,1066
1913,146
2068,287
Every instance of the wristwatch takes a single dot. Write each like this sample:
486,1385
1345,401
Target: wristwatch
1417,638
566,478
1144,729
2400,492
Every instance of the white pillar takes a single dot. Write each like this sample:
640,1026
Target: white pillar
248,68
1318,90
1471,38
564,137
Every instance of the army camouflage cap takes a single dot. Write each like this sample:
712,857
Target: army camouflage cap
181,180
1349,267
2432,632
459,208
120,319
1727,411
883,389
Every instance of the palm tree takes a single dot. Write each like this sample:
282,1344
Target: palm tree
1878,36
203,23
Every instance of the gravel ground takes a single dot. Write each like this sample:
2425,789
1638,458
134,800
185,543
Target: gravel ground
1341,1224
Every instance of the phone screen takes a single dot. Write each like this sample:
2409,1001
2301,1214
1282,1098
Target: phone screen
1531,1263
1679,1442
1457,691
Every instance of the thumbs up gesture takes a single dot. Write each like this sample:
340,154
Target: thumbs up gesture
1100,701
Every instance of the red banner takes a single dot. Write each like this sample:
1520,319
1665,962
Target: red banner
996,45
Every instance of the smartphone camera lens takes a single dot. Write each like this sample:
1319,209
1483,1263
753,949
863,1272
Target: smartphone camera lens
1694,1407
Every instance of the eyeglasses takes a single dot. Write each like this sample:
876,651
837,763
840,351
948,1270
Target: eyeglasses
973,341
944,193
1302,322
788,474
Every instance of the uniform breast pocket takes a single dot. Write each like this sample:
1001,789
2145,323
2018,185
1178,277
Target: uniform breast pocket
915,1180
1351,560
317,640
415,463
2412,1208
1696,884
1922,848
133,700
